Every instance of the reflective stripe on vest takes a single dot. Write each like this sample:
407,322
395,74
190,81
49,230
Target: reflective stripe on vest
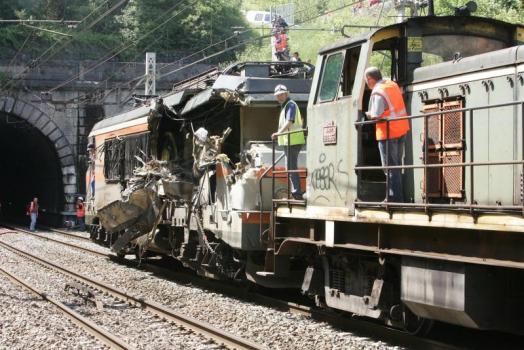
296,138
391,93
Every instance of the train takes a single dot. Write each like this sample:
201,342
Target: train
194,175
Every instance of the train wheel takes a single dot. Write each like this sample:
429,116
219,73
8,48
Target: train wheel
168,149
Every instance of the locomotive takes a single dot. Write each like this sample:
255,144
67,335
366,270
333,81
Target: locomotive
452,252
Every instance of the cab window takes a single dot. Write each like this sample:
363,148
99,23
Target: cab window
329,85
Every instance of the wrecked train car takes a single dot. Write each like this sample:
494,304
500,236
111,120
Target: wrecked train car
187,175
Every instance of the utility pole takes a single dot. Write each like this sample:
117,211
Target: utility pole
413,5
150,88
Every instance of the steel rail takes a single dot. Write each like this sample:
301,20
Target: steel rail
65,233
362,326
205,329
88,250
359,326
98,332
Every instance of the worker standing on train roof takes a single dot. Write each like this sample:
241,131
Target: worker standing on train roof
281,48
290,120
80,213
386,101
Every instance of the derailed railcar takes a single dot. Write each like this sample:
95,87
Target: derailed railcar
454,251
199,194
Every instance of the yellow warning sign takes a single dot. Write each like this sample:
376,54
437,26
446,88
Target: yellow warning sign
415,44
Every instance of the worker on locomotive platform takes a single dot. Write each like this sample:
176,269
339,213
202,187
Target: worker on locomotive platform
386,101
290,120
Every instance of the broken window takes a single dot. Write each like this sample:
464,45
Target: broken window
135,146
112,156
120,156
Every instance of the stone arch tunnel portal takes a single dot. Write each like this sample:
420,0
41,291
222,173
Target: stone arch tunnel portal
36,160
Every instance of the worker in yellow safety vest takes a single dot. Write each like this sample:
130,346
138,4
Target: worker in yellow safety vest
290,121
386,101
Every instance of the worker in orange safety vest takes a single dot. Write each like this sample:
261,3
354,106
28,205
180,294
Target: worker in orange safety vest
80,213
281,49
386,101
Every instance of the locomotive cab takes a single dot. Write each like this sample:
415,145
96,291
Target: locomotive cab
426,258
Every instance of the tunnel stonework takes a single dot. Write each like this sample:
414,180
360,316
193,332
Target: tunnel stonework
64,152
65,116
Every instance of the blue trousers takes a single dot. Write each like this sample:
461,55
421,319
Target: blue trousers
33,221
395,153
292,164
81,223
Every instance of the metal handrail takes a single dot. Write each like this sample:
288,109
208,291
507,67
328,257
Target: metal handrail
425,115
471,164
274,163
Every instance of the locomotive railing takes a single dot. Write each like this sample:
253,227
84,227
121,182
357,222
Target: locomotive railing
471,205
274,162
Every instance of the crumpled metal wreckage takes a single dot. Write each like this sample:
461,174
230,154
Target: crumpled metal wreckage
139,208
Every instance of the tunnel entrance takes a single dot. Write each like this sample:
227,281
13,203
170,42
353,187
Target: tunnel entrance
35,161
29,168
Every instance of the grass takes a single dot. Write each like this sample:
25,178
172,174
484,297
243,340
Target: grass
309,37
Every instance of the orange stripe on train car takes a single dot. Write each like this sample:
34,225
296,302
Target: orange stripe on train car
254,218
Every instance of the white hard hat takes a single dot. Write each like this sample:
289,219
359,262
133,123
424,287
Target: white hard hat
280,89
81,198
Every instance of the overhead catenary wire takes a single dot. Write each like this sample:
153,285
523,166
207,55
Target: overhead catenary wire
112,75
46,30
29,36
125,47
39,60
223,42
254,39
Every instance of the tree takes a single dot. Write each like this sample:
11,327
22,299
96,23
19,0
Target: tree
199,25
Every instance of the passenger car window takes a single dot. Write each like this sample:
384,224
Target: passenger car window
329,85
258,17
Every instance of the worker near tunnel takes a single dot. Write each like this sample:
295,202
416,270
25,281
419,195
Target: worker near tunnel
80,214
32,211
386,101
290,120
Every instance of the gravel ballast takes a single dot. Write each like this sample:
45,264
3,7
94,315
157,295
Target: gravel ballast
264,325
29,322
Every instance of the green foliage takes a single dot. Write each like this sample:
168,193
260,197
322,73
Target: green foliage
200,25
204,23
308,43
505,10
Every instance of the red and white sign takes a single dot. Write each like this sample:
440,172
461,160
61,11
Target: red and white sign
330,133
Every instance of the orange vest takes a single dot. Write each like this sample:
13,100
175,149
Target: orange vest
391,93
281,44
80,211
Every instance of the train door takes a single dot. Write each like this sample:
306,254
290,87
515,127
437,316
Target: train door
387,56
330,128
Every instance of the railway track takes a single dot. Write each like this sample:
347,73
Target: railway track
111,340
363,327
204,329
67,233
